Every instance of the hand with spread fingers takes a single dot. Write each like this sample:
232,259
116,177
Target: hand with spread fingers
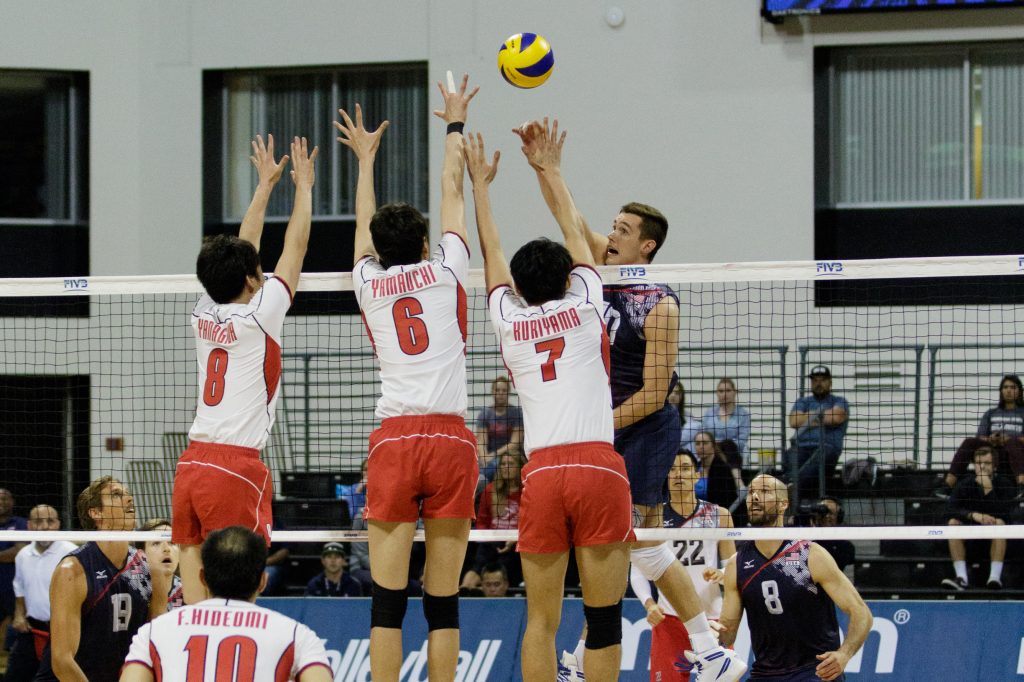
356,137
456,104
268,170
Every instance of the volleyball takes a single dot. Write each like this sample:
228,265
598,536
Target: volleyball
525,60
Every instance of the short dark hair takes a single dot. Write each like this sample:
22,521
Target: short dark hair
494,567
233,562
540,269
224,264
152,524
653,224
398,231
92,498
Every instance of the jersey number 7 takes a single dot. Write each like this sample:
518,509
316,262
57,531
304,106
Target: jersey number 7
554,349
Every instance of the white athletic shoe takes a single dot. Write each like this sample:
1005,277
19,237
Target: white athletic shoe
717,665
569,669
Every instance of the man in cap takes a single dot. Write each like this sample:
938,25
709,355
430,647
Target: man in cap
820,420
333,581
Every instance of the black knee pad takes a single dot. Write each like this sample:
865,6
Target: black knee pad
442,613
387,607
604,625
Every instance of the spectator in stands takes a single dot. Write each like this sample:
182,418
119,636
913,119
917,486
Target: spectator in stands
355,494
983,498
333,581
828,513
277,565
1002,428
8,551
729,422
691,426
820,420
495,580
499,428
166,553
499,510
720,480
33,568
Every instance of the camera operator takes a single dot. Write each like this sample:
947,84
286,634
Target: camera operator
827,512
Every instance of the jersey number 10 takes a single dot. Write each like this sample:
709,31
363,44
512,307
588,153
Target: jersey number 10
236,659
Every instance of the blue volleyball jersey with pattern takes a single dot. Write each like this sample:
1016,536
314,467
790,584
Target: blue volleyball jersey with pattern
115,607
792,619
625,312
696,555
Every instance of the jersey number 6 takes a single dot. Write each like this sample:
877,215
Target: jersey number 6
411,330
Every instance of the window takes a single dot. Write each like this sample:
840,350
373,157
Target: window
926,125
238,105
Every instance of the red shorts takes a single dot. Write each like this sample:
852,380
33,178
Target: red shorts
216,486
668,642
421,466
574,496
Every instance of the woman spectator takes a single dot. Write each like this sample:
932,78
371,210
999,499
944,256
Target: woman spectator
729,422
719,482
691,426
1001,427
499,510
498,429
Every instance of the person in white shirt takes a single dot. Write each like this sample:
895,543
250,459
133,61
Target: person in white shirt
33,568
422,459
228,631
238,323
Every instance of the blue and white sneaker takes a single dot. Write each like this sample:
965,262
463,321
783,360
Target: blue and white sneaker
717,665
569,669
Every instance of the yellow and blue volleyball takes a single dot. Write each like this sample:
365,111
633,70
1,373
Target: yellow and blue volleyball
526,60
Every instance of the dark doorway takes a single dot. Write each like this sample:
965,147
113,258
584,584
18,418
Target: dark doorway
44,441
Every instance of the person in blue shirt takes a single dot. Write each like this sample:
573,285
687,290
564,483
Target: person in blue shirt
333,581
499,428
729,422
820,420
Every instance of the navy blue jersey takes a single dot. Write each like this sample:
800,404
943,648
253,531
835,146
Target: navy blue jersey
115,607
791,618
625,311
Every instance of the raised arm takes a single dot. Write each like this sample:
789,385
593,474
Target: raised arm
67,593
453,201
296,235
268,172
548,166
364,144
661,328
826,573
481,173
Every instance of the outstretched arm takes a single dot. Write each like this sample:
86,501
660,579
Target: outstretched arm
547,162
826,573
481,173
364,144
269,172
296,235
453,201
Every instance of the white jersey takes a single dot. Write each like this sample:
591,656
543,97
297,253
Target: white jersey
238,348
226,639
416,317
557,354
697,555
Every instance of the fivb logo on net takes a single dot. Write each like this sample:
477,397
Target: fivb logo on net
828,268
354,664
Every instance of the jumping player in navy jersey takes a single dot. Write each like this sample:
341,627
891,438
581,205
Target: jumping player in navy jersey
101,593
790,591
642,320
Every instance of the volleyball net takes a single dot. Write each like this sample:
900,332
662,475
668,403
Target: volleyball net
98,376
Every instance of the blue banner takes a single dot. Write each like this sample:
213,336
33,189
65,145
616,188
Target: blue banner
910,640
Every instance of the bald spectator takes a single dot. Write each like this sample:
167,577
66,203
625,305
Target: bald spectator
8,550
33,568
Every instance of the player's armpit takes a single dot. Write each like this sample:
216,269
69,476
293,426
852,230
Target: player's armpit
136,672
316,673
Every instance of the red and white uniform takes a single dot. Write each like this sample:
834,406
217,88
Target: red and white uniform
557,354
226,639
416,316
219,480
238,349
